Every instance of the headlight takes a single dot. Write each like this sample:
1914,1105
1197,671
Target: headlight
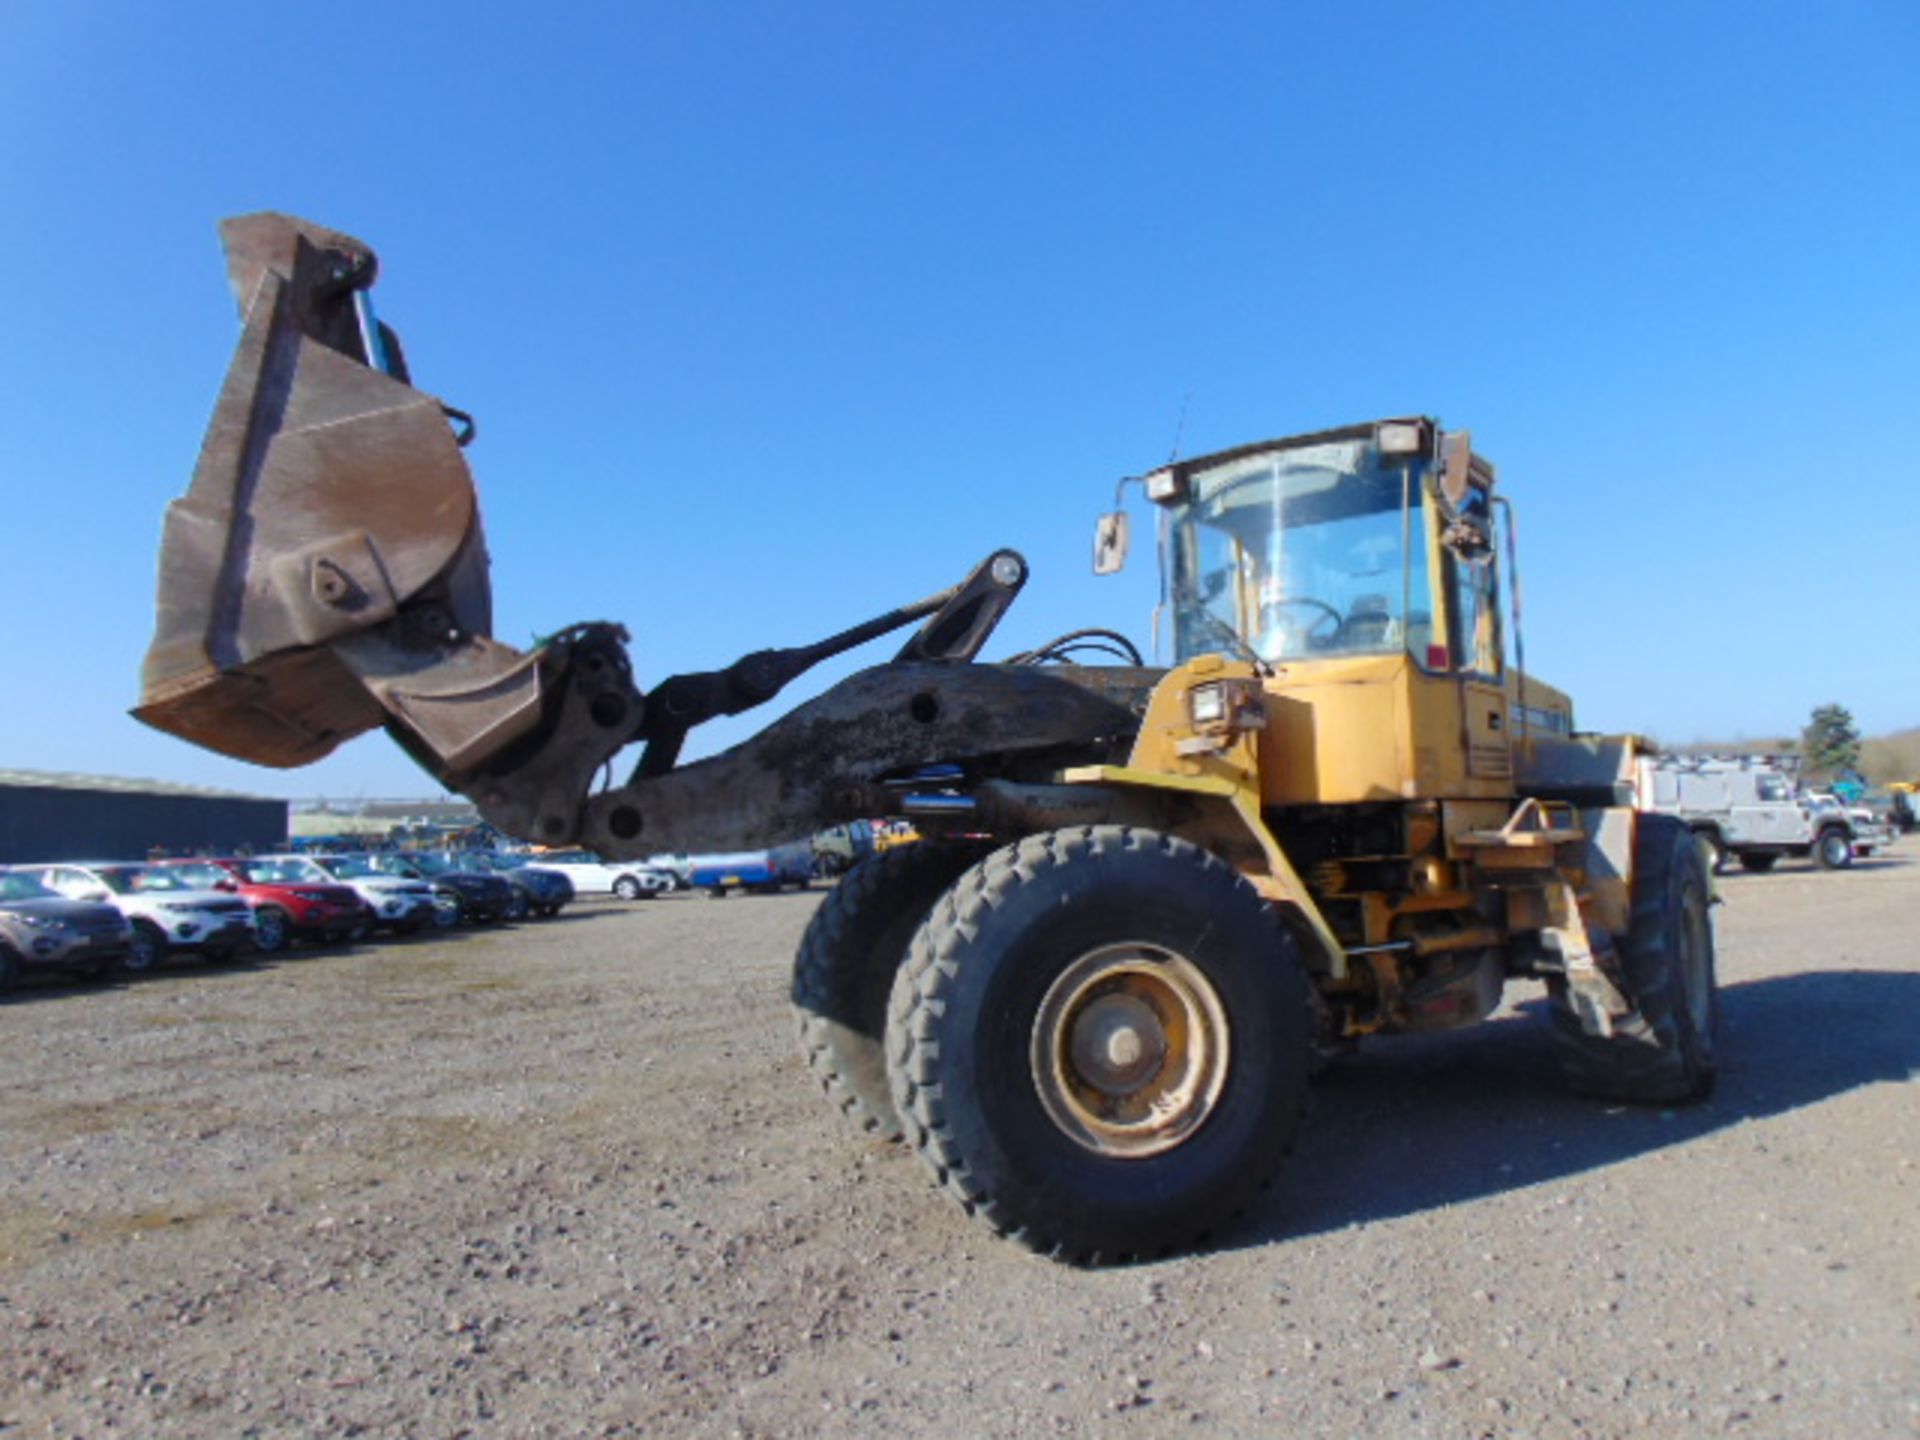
1167,485
178,907
1403,437
313,897
1222,708
1207,704
41,922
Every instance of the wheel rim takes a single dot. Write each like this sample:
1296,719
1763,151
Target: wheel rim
1130,1050
270,930
143,951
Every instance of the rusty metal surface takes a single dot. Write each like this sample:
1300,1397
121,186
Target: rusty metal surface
829,758
328,498
325,573
536,788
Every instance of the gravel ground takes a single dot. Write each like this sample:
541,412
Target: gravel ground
571,1178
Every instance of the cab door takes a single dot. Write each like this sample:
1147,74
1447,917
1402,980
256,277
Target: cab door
1479,662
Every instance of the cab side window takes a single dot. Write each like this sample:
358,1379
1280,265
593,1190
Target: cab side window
1476,614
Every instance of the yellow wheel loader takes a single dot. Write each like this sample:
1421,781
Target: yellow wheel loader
1146,903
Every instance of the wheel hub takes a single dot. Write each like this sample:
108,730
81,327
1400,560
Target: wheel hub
1130,1050
1117,1042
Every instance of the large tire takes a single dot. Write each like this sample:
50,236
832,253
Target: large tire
517,905
1833,850
845,968
627,888
146,948
1663,1054
1100,1043
1759,862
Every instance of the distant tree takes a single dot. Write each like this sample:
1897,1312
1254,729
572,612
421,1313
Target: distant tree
1831,741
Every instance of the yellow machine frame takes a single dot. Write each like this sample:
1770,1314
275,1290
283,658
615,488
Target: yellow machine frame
1476,859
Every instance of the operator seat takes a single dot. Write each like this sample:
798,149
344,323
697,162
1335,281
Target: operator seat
1369,625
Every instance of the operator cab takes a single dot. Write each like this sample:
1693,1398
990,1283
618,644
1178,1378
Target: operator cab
1333,544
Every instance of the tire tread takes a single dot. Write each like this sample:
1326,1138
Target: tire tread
1648,1059
917,1003
832,971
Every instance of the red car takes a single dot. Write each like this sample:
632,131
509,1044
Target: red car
286,904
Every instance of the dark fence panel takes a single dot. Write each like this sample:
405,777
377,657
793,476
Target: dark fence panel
47,823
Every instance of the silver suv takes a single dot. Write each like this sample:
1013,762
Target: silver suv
41,929
168,915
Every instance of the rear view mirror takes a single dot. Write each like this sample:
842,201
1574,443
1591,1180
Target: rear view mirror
1110,543
1456,464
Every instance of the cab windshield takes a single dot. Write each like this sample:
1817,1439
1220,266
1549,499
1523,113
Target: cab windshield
417,862
294,870
206,876
15,886
1301,551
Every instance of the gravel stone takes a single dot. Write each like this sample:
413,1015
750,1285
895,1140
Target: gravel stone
572,1178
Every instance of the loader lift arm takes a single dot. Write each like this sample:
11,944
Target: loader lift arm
326,573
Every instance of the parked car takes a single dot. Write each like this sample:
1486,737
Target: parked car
761,872
480,894
675,865
42,929
590,875
288,903
541,890
171,913
403,906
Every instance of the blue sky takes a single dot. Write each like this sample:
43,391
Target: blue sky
775,315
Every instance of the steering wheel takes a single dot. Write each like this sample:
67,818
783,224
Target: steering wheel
1319,630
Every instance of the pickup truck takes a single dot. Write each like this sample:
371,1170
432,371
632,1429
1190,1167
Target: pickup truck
1745,809
759,872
